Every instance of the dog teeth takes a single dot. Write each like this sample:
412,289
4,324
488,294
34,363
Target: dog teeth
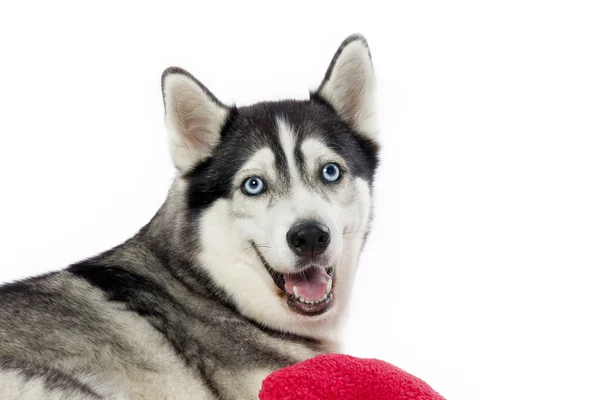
317,301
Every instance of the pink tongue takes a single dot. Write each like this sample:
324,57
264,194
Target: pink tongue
310,284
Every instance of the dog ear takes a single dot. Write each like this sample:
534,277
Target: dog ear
194,118
349,86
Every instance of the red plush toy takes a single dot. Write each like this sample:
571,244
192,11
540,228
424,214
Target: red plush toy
337,376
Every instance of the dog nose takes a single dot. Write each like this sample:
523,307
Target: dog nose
308,238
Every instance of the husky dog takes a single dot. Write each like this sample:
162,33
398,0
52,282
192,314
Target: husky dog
246,268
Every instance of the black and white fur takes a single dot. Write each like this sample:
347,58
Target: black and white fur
190,308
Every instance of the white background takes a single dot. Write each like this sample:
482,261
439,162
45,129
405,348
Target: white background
481,274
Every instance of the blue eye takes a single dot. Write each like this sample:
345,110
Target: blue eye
331,173
253,186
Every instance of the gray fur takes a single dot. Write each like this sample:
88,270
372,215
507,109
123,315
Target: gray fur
61,324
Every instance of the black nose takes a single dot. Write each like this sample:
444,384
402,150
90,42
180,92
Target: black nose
308,238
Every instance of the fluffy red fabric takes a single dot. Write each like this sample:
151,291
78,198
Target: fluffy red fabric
337,376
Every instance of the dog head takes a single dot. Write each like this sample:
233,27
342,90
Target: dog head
278,194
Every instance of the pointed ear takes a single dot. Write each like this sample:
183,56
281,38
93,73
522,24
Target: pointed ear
349,86
193,116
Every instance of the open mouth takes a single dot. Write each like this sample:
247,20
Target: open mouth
308,292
